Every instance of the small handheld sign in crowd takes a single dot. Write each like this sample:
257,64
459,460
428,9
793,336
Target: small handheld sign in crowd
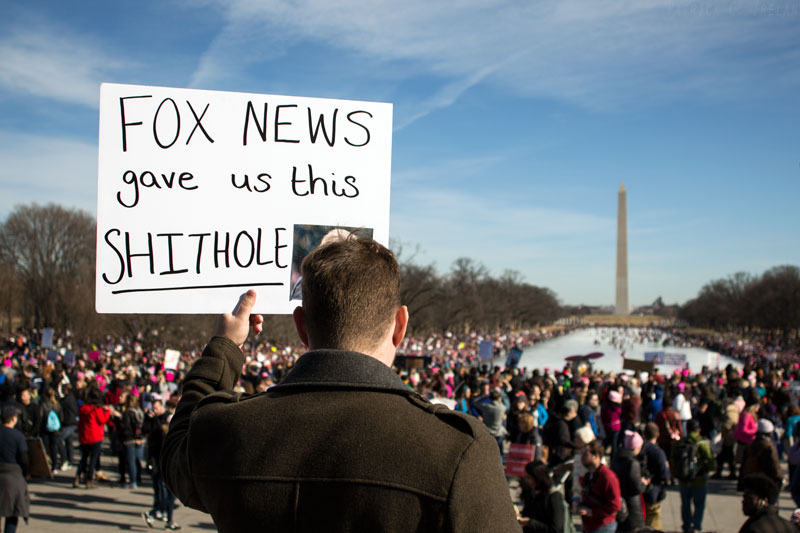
666,358
518,456
513,358
202,195
486,350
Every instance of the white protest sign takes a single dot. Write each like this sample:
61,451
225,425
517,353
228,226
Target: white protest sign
675,359
171,358
202,195
47,337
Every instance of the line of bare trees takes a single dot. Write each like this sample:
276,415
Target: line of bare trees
47,266
743,302
468,298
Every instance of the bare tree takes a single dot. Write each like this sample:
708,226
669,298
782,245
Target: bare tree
51,250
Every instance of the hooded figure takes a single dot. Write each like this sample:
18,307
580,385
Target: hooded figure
631,485
761,456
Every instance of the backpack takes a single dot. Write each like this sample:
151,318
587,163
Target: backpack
569,526
686,466
53,423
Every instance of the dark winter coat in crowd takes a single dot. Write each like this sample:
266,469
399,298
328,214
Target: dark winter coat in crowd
761,456
130,427
155,429
631,408
767,521
341,444
629,473
30,419
13,467
545,508
655,461
558,439
69,406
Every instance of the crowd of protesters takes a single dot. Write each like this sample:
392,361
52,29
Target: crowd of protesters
617,441
607,445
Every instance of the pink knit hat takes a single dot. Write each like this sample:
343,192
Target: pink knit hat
614,396
632,440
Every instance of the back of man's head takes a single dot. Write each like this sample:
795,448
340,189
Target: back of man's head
651,431
762,486
351,292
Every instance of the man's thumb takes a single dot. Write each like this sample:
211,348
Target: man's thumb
245,305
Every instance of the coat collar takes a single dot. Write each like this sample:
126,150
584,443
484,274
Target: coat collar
341,369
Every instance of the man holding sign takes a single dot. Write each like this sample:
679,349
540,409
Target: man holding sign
341,444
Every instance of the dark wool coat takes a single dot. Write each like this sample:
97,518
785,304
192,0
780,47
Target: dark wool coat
760,456
629,473
14,499
340,444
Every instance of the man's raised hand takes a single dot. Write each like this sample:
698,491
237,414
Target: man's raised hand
236,325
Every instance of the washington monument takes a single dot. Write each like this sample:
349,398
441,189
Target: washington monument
621,304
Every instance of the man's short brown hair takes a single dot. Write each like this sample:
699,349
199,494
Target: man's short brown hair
351,293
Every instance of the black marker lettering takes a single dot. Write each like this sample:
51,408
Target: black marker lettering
171,270
236,249
278,247
245,184
186,176
314,131
218,250
258,250
119,256
278,123
262,129
199,247
263,177
153,181
313,181
198,124
351,180
129,177
126,124
177,126
148,253
350,118
295,181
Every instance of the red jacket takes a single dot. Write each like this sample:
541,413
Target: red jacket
601,496
91,422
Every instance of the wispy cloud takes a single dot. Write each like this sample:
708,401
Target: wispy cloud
54,63
594,53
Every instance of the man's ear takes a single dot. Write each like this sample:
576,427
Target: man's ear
400,325
299,316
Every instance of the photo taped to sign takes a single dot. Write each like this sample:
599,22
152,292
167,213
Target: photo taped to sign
309,237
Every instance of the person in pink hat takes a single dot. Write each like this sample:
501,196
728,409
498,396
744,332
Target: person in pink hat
631,482
610,414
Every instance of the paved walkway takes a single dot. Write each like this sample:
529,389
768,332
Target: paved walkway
723,508
57,507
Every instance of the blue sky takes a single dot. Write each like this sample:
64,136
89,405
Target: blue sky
515,121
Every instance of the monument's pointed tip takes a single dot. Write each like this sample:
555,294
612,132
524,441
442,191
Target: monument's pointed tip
621,186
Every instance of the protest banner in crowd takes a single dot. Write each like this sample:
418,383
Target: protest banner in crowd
204,194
